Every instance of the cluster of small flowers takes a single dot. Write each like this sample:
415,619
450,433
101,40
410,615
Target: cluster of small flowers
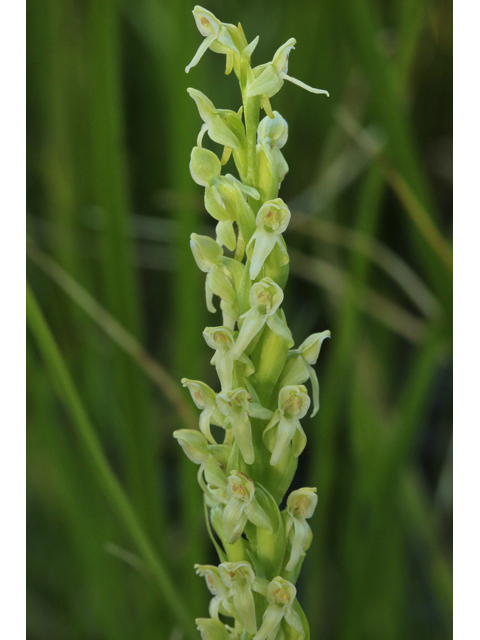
262,397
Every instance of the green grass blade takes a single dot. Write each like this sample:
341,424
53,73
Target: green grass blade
123,338
107,481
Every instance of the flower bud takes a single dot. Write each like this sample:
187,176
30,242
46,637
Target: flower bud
302,502
204,166
205,251
213,629
273,131
300,506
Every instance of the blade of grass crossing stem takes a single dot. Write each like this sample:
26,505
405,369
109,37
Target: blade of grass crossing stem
158,374
323,433
121,297
107,480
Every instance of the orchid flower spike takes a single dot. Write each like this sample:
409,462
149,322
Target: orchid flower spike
265,299
280,596
300,506
242,506
245,476
239,579
272,220
269,78
285,427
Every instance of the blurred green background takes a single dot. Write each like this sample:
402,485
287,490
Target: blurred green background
111,205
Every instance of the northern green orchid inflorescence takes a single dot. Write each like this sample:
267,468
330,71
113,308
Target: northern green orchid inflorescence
250,434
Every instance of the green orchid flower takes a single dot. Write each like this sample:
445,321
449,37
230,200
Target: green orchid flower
272,220
239,579
265,298
211,458
272,134
237,407
285,427
218,36
219,604
280,596
242,506
299,366
204,398
300,506
221,339
223,276
269,78
220,192
222,125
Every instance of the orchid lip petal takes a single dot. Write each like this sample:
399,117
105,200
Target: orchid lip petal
303,85
200,51
285,432
264,243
